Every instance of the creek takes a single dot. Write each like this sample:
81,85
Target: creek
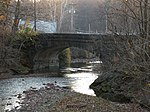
78,81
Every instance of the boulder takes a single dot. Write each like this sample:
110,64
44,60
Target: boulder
121,87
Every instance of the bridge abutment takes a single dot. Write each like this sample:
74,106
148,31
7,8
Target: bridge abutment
47,47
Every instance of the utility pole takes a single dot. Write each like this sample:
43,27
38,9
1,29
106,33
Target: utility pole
89,28
35,15
145,17
72,11
106,30
61,16
55,9
107,8
63,7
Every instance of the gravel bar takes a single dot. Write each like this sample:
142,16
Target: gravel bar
52,98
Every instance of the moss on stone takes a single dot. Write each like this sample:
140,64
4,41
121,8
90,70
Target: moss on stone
64,58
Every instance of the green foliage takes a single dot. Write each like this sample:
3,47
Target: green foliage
24,39
25,33
22,70
64,58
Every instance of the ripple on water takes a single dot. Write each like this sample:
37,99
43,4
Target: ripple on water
11,88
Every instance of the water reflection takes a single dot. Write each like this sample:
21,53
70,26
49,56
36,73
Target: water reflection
82,82
9,102
10,88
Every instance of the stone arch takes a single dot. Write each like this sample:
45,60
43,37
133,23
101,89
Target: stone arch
47,58
49,45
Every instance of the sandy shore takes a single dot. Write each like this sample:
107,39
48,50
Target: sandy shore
52,98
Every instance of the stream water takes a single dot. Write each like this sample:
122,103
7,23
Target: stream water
78,82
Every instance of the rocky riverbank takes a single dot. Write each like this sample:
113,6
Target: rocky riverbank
9,75
52,98
124,88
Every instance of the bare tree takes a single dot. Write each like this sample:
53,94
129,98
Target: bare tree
130,55
16,19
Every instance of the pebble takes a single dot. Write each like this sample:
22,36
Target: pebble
16,107
18,102
19,96
9,104
24,92
32,87
3,105
9,98
51,97
7,110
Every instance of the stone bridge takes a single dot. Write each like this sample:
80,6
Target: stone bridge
61,41
47,46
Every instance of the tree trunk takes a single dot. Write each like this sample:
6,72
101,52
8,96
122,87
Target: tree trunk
16,19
